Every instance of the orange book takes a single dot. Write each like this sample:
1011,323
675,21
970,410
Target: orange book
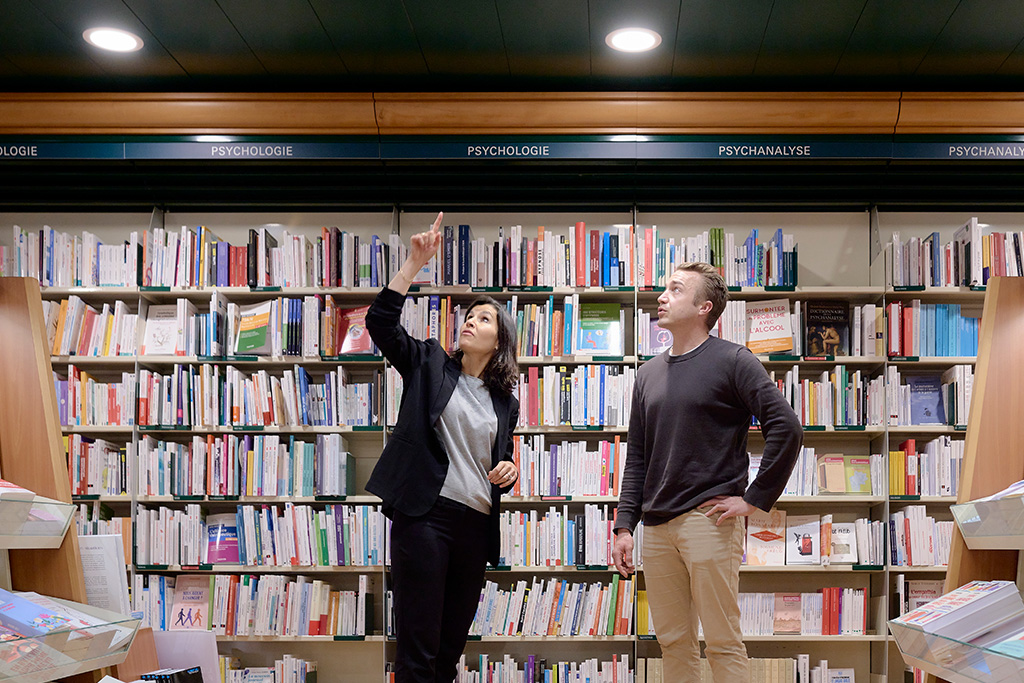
617,621
557,332
554,608
229,626
332,613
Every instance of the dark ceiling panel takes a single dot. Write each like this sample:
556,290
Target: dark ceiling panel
659,15
73,18
543,37
459,38
286,36
372,38
202,40
35,47
717,39
977,40
892,38
806,39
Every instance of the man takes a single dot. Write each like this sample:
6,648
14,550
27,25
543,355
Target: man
686,474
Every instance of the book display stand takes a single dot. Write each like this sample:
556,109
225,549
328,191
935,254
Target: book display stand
989,531
43,558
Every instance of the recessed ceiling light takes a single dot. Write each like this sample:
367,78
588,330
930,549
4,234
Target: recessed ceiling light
113,39
633,39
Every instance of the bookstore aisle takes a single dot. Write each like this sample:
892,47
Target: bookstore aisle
221,402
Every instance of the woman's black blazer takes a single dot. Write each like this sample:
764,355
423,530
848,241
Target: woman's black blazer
413,465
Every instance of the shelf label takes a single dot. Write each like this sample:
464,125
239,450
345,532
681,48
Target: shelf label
61,150
908,288
959,149
480,149
250,150
827,359
775,147
555,499
868,567
904,359
905,497
850,428
367,428
783,357
814,428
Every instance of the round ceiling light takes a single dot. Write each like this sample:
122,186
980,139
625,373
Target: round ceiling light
113,39
633,39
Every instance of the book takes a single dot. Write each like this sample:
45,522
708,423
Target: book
803,539
844,675
222,541
831,473
844,543
920,592
26,618
192,601
857,474
600,330
661,339
787,614
827,328
161,336
352,335
769,327
765,539
926,400
253,336
967,611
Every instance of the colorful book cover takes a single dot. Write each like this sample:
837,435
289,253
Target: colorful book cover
803,539
661,339
253,329
844,543
600,332
765,538
857,470
222,532
352,334
769,329
827,328
25,617
831,473
192,599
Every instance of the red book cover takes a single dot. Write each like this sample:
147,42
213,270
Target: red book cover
595,258
533,387
351,335
581,253
907,347
909,448
229,625
531,263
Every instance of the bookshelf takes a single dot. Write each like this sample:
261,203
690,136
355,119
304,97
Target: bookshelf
840,267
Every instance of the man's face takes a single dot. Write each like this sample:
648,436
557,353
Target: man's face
676,310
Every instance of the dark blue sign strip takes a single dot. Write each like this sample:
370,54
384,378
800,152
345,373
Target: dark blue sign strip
764,149
244,150
960,150
60,150
510,148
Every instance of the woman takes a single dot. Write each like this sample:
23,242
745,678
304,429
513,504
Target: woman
443,469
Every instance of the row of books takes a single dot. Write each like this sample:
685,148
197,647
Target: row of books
774,670
58,259
969,259
536,669
752,263
929,398
587,328
82,400
556,537
832,611
289,669
919,329
918,540
210,395
263,536
250,605
931,471
833,398
989,614
245,465
567,468
555,607
776,538
830,474
582,395
75,328
97,466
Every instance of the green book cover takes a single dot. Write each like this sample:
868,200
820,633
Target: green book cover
610,630
254,329
600,332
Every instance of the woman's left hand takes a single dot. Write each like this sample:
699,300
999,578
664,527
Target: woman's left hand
503,475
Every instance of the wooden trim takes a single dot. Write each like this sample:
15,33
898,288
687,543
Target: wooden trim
533,113
962,113
768,113
186,114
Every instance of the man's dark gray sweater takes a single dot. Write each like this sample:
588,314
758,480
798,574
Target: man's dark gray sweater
688,434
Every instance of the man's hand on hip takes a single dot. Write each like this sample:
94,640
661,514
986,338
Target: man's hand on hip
729,506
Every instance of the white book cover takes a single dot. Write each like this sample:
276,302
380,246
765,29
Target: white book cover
803,539
765,538
844,543
161,330
769,328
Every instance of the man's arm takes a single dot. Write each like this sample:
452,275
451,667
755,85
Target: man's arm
632,488
782,431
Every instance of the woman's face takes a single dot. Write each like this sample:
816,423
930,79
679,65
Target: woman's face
479,332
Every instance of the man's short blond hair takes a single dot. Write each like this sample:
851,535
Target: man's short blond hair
713,289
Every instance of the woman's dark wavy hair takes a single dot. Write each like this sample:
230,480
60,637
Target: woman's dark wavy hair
502,373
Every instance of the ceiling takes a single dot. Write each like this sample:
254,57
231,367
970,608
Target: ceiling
509,45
